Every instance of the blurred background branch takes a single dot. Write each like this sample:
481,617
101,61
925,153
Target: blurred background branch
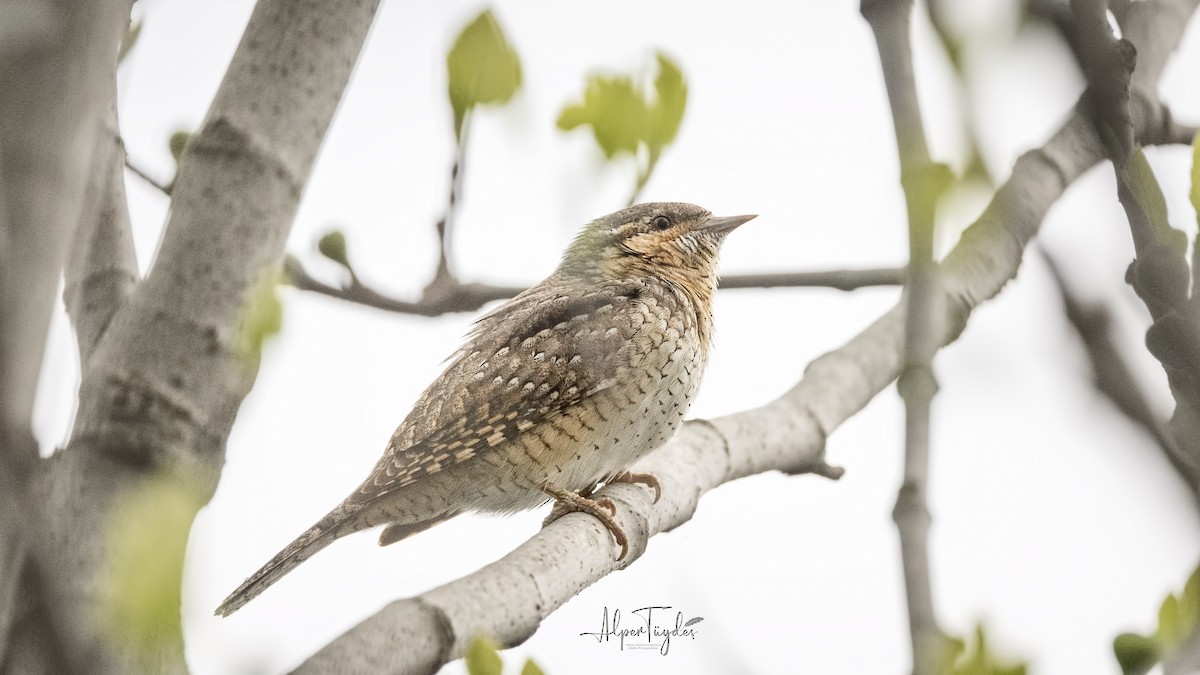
446,294
1112,375
923,182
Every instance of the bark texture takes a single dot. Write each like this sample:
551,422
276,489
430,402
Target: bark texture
163,376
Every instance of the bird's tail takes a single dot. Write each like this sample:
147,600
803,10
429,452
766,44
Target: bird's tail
317,537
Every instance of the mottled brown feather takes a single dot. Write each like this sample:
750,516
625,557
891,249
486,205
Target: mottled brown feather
566,385
517,369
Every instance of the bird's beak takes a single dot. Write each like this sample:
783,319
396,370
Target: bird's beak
723,225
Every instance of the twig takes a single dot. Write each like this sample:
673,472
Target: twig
842,280
133,168
1182,133
643,176
455,296
443,279
438,298
923,182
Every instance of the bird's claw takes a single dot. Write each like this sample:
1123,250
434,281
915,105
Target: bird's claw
602,509
647,479
606,503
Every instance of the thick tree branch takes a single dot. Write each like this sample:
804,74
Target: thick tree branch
509,598
160,392
54,97
455,296
102,267
923,183
54,57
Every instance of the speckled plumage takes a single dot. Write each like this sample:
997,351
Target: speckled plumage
561,388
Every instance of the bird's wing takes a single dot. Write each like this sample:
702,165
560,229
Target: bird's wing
524,363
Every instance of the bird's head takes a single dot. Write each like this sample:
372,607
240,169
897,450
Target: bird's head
670,240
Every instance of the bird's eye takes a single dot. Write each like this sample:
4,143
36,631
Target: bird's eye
662,223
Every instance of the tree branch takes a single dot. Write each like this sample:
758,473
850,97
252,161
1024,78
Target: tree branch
160,392
150,180
453,296
643,174
444,279
56,56
923,183
1160,273
457,296
509,598
54,96
102,267
1112,376
842,280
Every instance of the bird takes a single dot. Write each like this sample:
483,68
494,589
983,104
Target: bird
556,392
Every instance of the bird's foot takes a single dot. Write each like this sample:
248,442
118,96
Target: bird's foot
646,479
602,509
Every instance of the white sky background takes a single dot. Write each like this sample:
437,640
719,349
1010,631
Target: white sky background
1055,520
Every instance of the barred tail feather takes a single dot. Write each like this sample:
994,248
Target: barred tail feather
325,532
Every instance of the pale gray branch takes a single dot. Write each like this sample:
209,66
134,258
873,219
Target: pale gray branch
102,267
163,384
509,598
1160,273
890,21
53,99
54,56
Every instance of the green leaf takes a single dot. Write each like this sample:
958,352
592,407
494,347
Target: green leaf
1136,654
667,113
129,41
1196,175
616,111
622,120
483,658
147,537
1189,602
261,317
1139,177
333,246
977,659
1170,624
532,668
483,68
178,144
